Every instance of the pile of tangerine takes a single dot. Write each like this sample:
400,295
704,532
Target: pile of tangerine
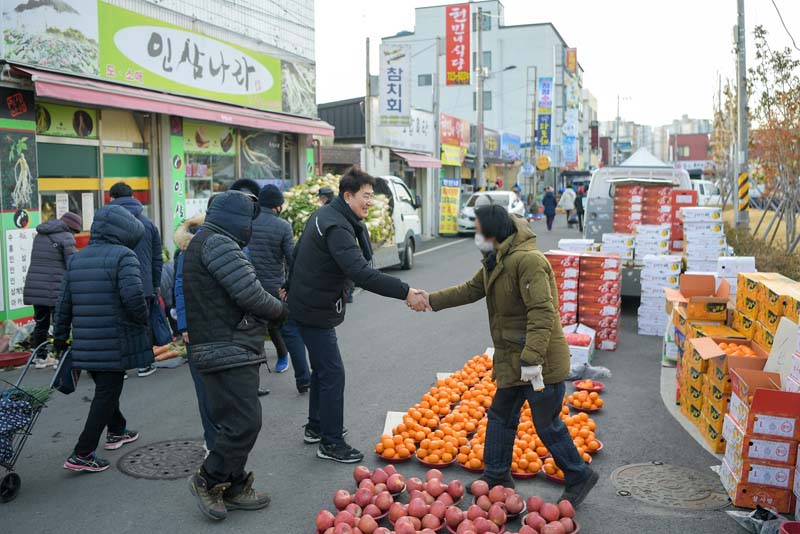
585,400
395,447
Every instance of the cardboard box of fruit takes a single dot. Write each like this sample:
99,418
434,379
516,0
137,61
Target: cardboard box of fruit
760,407
749,446
753,495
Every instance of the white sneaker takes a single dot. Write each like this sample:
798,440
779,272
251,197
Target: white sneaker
44,363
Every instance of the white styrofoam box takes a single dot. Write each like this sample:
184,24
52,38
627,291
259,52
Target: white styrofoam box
667,261
625,240
623,253
704,240
581,354
575,245
704,214
708,253
731,266
694,228
653,229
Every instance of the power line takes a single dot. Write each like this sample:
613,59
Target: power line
784,25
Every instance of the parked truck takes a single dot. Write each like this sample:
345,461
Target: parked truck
406,221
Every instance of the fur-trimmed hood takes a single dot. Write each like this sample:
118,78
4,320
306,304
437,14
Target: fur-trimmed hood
187,230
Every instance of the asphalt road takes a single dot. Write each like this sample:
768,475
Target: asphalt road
392,356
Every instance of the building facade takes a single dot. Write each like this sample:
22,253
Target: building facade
662,147
177,98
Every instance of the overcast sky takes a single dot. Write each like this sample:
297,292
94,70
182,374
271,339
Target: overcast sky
663,54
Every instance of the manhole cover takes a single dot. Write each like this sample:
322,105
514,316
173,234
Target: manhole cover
165,460
670,486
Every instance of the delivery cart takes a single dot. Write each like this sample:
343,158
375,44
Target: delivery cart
19,410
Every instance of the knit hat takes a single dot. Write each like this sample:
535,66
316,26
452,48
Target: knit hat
73,221
270,197
495,222
325,192
246,185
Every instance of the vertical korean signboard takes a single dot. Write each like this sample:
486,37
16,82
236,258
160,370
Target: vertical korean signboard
544,113
395,85
448,206
454,137
571,62
457,35
569,132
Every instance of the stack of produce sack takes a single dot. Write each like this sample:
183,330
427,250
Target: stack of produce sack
658,272
704,238
638,203
599,297
651,239
619,244
566,267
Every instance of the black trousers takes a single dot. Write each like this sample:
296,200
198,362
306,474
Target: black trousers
580,221
234,406
104,411
275,335
41,316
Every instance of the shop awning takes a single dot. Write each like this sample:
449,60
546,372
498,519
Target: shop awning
419,161
94,92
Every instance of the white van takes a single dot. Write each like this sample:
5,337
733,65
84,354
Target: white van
407,224
708,194
641,167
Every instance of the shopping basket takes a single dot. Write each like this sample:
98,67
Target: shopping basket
19,410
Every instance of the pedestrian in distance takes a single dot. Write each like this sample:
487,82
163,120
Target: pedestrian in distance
53,246
549,202
531,358
272,253
567,202
226,318
333,251
167,291
325,195
103,302
579,210
148,249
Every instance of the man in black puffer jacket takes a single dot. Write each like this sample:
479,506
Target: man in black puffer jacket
103,301
53,245
226,319
272,253
333,251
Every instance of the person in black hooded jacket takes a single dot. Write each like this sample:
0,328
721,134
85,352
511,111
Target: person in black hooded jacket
226,319
333,251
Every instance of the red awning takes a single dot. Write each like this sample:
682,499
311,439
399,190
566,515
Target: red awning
419,161
93,92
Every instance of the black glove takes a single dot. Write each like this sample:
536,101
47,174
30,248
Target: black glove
61,345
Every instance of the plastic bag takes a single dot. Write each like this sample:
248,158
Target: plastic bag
584,371
22,335
759,521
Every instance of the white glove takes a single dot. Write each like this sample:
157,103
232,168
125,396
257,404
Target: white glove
532,374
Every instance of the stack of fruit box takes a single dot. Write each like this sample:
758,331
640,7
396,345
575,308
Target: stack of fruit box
762,429
619,244
729,267
793,385
566,267
576,245
658,272
761,300
651,240
640,203
600,298
703,238
679,198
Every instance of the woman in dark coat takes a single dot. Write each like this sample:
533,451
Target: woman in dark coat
103,303
549,202
52,247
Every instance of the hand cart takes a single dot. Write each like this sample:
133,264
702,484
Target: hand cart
19,410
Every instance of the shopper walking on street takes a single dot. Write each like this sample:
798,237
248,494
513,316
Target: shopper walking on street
272,253
549,202
567,202
53,245
531,359
226,317
579,210
333,251
103,304
148,249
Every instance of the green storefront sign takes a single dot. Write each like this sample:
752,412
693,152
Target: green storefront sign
66,121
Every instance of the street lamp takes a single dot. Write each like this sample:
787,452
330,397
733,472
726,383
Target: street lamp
616,145
482,76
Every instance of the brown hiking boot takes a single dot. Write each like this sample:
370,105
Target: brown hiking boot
209,500
248,498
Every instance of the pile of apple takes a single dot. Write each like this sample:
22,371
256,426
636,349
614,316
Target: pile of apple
428,503
490,512
548,518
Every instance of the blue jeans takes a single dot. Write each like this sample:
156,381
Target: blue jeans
210,430
326,400
546,411
290,332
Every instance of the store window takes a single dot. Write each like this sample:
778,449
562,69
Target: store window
487,101
424,80
486,59
210,153
486,22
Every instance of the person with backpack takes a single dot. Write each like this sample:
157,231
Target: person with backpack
53,246
549,202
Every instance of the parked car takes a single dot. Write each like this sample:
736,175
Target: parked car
507,199
708,193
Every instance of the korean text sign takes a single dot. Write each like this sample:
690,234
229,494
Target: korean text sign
140,50
395,85
572,60
457,35
545,112
448,206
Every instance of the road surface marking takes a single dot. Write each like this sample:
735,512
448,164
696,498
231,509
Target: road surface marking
440,247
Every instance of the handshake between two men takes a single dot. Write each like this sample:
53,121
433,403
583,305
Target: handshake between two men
418,300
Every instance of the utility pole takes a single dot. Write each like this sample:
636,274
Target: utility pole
479,100
741,213
616,144
367,118
534,108
437,141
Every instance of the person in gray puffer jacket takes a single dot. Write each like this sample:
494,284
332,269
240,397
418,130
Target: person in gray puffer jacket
226,319
53,245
